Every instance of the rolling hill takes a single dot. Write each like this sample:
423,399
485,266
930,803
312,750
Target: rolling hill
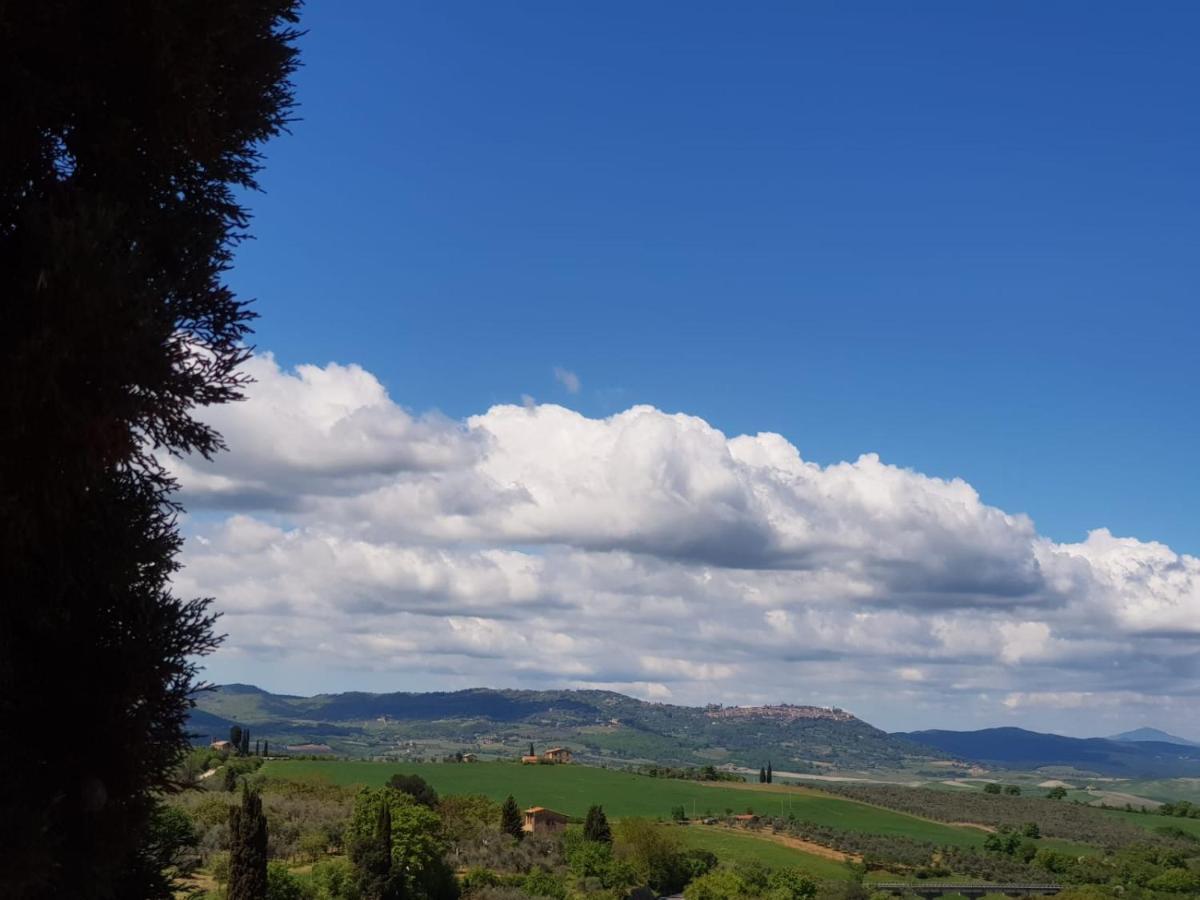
600,726
1155,735
1016,748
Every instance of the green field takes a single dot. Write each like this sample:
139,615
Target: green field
732,847
572,789
1151,821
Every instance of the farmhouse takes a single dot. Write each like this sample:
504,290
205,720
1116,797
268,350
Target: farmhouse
221,746
470,757
541,820
530,760
557,754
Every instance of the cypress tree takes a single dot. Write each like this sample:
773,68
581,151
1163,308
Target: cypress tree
131,132
228,779
770,774
531,753
245,749
374,859
266,748
235,737
247,849
595,827
762,776
511,820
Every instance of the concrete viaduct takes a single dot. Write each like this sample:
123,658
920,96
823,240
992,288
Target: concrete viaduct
927,891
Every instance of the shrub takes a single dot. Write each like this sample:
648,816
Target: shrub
540,883
334,879
283,885
1176,881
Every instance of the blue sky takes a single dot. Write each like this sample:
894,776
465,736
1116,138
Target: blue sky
961,236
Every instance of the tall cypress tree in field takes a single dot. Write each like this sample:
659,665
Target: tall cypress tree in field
762,776
511,819
770,773
130,130
247,848
235,737
245,749
266,748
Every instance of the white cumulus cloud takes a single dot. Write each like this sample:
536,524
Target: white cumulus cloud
530,544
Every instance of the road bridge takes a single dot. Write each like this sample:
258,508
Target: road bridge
930,891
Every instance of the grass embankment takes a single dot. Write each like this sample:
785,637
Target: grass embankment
735,846
572,789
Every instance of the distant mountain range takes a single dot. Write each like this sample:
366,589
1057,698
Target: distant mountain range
1141,735
1017,748
604,727
600,727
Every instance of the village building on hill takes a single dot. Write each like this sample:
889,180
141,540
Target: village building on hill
221,746
553,755
540,820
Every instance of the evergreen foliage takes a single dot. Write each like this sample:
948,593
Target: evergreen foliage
247,848
235,737
416,866
416,787
511,819
770,773
762,776
374,860
130,129
596,827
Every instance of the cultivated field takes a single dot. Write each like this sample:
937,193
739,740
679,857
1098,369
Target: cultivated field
572,789
733,847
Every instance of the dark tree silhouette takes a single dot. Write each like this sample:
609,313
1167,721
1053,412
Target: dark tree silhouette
266,748
511,820
228,778
235,737
245,748
129,130
531,753
247,848
416,787
373,860
770,773
595,826
762,776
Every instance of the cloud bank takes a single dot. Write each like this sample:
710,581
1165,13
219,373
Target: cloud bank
648,552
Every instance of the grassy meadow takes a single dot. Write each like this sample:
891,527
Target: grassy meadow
734,847
572,789
1149,821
